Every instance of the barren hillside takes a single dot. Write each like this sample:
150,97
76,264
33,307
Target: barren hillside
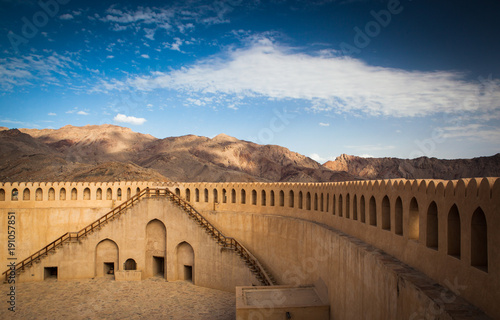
113,153
420,168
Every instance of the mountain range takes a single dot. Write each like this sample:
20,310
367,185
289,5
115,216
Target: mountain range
113,153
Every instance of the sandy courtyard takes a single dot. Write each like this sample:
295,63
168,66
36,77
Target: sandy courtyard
107,299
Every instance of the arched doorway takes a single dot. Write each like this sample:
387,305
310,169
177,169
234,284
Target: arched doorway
185,262
156,245
106,258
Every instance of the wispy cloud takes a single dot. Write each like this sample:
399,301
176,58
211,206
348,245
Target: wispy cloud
472,131
76,111
26,70
145,56
52,114
316,157
323,124
175,18
121,118
176,45
66,16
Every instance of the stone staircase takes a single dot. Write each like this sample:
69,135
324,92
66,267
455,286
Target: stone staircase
250,260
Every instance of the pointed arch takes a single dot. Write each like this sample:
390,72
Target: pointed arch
233,196
26,194
414,220
300,199
386,213
106,258
62,194
156,246
355,207
98,194
185,269
14,195
398,217
348,206
479,240
52,194
86,194
362,209
432,230
216,195
454,232
243,196
372,211
341,205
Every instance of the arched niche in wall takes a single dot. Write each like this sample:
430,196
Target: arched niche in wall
156,245
185,262
106,258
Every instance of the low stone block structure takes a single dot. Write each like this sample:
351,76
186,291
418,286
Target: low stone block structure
280,302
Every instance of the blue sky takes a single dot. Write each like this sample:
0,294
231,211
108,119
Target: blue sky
369,78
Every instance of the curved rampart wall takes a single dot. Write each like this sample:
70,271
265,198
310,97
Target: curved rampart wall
446,229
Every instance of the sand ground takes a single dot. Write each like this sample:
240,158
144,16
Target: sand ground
153,298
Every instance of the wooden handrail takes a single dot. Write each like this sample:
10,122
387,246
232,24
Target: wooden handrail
150,193
68,236
222,239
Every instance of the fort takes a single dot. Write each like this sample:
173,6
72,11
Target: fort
380,249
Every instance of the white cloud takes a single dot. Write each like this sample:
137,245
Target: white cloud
26,70
473,131
335,84
52,114
316,157
82,113
145,56
128,119
66,16
175,18
323,124
174,45
110,57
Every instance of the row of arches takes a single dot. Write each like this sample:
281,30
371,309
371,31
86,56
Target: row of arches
62,194
397,217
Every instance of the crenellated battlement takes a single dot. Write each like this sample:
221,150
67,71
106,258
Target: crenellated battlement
482,188
444,228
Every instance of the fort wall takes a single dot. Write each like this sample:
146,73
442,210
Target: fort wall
445,229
